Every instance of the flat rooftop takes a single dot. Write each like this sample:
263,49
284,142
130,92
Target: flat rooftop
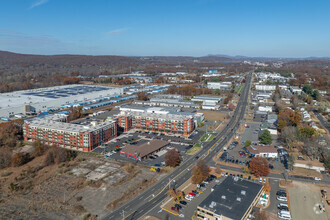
231,198
157,115
52,122
51,97
139,108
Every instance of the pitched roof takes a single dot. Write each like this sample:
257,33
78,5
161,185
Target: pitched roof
145,148
257,149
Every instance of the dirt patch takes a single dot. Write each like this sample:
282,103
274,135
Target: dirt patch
304,199
297,171
215,116
85,185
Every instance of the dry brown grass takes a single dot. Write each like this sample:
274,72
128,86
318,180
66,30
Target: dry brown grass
305,172
130,193
214,116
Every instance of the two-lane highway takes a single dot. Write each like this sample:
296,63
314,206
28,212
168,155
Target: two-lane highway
148,199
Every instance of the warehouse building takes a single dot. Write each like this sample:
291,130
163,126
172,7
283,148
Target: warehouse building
54,130
143,151
207,99
224,86
40,100
233,199
156,119
265,87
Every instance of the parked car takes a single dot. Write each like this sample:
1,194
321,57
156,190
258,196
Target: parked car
175,209
281,192
284,208
183,202
195,191
285,216
188,197
317,178
178,206
282,198
192,194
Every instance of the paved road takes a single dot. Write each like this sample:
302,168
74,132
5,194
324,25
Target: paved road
323,122
141,204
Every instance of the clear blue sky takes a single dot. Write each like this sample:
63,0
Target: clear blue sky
273,28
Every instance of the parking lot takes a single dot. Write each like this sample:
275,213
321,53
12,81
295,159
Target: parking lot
183,144
274,184
187,211
251,132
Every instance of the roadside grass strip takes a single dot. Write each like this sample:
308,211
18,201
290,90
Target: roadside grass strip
194,149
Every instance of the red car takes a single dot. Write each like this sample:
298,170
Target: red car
247,126
192,194
175,209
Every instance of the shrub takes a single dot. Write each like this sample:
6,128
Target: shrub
49,158
18,159
5,157
39,148
13,187
6,173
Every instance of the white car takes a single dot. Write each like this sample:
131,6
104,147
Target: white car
282,198
189,197
283,215
317,178
260,180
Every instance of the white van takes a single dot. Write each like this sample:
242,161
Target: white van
284,215
284,212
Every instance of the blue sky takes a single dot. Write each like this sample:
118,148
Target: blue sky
272,28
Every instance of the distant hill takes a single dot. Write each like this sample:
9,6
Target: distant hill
16,58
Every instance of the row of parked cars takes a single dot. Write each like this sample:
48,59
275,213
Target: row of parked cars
191,195
232,145
283,208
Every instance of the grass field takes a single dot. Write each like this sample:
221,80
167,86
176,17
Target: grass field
239,89
194,149
207,137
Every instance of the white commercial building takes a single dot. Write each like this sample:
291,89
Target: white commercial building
219,85
209,99
265,108
265,87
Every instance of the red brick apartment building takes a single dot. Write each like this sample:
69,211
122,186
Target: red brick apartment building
54,130
170,123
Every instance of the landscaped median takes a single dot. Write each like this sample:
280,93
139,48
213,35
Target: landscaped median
207,137
194,149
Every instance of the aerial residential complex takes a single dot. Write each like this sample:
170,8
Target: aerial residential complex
54,130
157,119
